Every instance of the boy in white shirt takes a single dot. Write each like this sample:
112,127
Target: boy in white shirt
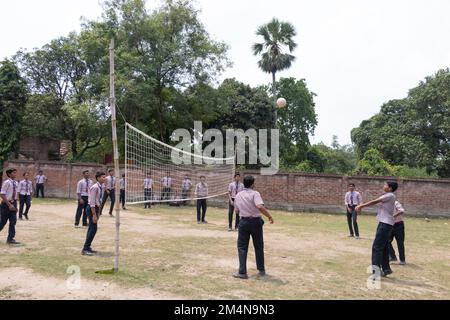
399,234
25,192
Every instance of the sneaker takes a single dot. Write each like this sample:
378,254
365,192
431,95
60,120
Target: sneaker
402,263
77,227
357,238
85,225
87,253
20,218
26,217
124,209
240,276
199,222
205,222
262,273
229,229
351,236
14,242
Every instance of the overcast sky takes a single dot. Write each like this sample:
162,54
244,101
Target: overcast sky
354,54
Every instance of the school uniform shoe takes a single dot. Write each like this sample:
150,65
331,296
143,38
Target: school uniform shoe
77,227
392,259
357,238
12,242
261,273
26,217
386,273
87,253
351,236
229,230
402,263
240,276
205,222
199,222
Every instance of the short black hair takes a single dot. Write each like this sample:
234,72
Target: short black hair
237,174
85,171
249,181
40,171
123,175
110,170
99,174
393,185
9,171
202,177
25,173
352,185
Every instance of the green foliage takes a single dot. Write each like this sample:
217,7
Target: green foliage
414,131
13,95
373,164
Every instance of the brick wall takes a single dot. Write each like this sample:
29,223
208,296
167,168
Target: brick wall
294,192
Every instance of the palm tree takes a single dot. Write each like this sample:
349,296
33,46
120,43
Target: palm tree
278,36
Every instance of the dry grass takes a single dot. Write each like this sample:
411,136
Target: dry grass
165,254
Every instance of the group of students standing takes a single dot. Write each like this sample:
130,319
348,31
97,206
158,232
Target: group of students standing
22,191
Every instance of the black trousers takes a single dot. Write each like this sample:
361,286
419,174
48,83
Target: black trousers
39,189
352,220
380,248
250,228
148,195
112,196
92,229
166,193
230,217
398,233
122,198
11,216
184,195
24,201
202,206
82,211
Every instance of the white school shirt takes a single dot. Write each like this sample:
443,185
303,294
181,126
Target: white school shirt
25,187
386,208
187,184
234,188
353,197
246,203
166,182
201,190
148,183
95,195
123,184
40,179
110,182
9,189
399,210
83,187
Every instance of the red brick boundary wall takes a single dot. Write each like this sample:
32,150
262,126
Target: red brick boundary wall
289,191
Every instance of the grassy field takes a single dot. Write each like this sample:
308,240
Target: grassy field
166,255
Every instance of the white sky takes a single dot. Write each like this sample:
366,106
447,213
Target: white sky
354,54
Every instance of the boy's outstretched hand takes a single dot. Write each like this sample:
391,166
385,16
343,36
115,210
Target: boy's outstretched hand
359,209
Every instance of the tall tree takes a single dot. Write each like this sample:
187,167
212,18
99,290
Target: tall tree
275,50
13,96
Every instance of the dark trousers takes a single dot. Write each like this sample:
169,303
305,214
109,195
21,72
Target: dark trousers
184,195
166,193
112,196
201,209
122,198
380,248
148,197
11,216
230,217
39,189
82,210
92,229
253,228
352,220
24,201
398,233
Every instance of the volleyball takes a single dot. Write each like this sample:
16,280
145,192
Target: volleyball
281,103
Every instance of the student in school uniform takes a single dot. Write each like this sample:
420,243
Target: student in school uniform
110,192
8,208
201,193
123,186
385,216
352,200
166,183
398,233
93,210
148,191
233,189
41,180
25,191
250,206
83,187
186,186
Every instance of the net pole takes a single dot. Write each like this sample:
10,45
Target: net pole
116,151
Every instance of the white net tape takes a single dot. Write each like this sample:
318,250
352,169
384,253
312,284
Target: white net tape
148,158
